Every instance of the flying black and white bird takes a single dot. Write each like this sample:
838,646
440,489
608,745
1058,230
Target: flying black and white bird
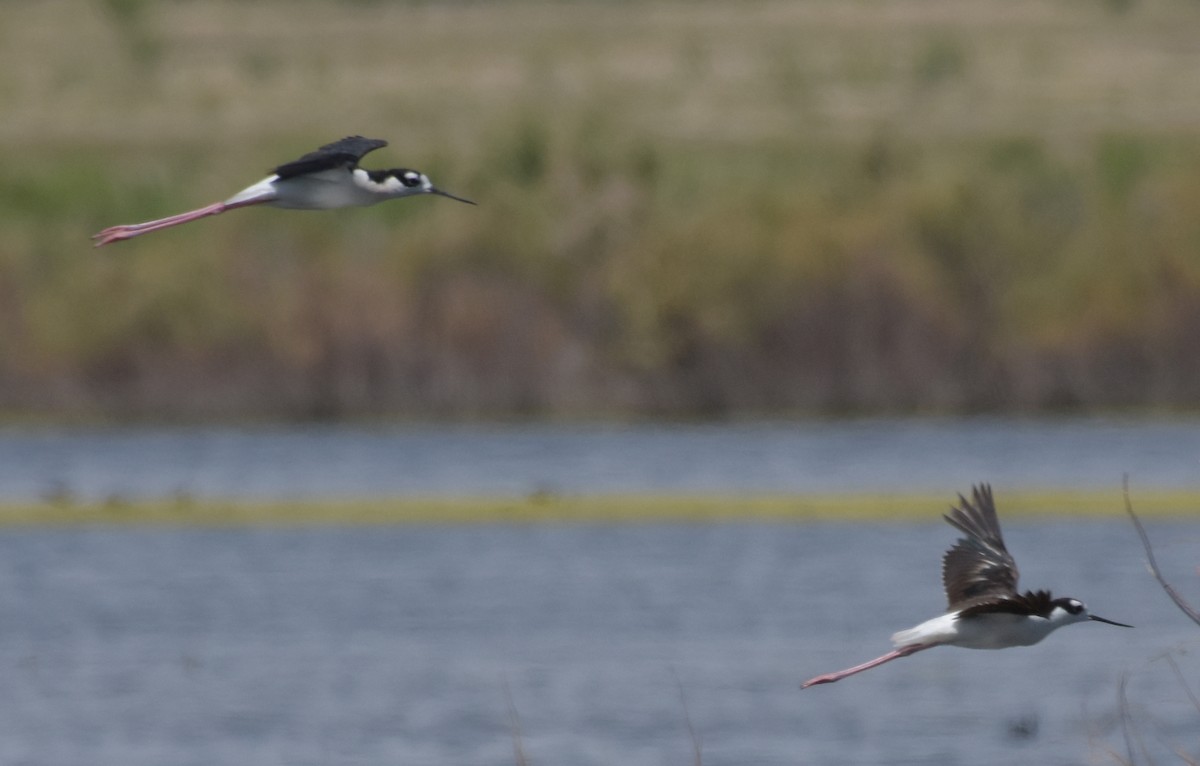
322,180
985,610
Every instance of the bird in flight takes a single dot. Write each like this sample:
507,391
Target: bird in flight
985,609
325,179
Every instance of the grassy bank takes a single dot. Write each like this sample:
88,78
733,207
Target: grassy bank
594,509
687,208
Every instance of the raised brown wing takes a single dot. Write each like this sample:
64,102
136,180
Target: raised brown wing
344,153
978,568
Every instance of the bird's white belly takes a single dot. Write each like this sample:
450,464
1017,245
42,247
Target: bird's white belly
318,192
989,631
326,190
998,631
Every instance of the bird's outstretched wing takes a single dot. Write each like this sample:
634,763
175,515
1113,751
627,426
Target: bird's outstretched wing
346,152
978,568
1039,603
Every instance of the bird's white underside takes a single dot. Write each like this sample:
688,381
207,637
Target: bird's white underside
985,631
324,190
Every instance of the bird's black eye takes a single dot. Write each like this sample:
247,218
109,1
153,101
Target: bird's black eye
410,178
1074,607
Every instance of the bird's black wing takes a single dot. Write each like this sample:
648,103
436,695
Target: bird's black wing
978,568
344,153
1039,603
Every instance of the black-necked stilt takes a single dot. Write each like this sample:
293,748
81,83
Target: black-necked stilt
985,611
321,180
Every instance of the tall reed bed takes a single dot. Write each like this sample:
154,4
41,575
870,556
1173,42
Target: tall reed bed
687,209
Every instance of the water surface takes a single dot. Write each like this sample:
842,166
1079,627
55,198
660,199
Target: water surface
394,646
132,647
354,461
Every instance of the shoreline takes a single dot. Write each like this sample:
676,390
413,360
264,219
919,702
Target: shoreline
588,509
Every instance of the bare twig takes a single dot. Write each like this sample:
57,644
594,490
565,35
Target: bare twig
687,718
514,725
1183,605
1127,730
1123,708
1186,757
1182,681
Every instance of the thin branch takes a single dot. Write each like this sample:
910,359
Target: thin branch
1123,708
687,718
1186,757
1183,681
1127,725
514,725
1183,605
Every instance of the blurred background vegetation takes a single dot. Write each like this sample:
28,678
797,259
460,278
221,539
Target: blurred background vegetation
696,209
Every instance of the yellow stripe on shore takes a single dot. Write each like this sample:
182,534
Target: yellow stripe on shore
617,509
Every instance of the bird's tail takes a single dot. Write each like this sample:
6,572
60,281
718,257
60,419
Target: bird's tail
936,631
906,637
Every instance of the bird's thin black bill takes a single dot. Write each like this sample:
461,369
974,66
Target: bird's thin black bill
1109,622
441,193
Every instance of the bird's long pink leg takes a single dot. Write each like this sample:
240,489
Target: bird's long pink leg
895,654
130,230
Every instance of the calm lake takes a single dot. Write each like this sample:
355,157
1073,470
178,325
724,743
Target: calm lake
400,645
395,646
347,461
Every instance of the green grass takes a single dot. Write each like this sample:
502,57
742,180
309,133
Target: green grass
686,208
633,509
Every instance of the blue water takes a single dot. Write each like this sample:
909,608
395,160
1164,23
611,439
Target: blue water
396,645
401,645
349,461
